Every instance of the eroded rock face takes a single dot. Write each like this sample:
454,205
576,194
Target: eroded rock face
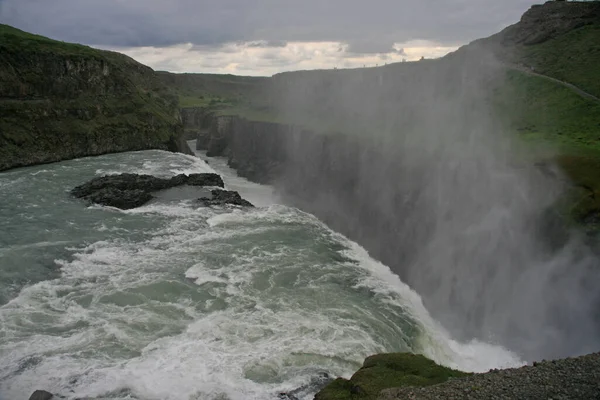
79,102
220,197
128,191
543,22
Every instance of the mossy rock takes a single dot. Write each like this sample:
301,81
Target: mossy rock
383,371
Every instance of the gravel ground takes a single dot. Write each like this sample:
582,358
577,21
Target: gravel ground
571,378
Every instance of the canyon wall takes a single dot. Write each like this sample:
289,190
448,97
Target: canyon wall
60,101
377,195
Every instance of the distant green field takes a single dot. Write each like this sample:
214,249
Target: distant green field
214,91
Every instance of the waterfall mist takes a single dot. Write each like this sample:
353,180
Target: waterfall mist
416,164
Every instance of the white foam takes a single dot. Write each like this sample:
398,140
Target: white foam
258,194
270,307
157,163
43,171
435,342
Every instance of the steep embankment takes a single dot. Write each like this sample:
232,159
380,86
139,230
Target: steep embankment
60,101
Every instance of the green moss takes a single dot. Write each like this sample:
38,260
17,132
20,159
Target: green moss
383,371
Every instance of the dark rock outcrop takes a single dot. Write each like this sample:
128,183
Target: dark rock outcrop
41,395
123,199
196,122
128,191
554,18
220,197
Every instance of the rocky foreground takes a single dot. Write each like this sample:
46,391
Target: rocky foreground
571,378
405,376
414,377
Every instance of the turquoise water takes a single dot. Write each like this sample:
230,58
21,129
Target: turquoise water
172,301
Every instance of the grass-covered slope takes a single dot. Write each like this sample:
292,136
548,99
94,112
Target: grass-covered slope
61,100
541,110
215,91
573,57
384,371
558,39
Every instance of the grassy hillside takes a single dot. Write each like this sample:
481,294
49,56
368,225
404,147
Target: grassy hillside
573,57
541,110
14,40
213,90
60,100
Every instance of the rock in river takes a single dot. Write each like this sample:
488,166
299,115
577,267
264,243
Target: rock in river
220,197
41,395
128,191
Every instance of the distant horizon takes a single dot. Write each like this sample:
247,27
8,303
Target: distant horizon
262,38
188,57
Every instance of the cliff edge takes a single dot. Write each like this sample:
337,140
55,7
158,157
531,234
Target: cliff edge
60,101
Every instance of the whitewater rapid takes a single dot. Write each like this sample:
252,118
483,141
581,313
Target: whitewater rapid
171,301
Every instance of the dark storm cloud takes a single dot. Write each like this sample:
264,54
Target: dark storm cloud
367,27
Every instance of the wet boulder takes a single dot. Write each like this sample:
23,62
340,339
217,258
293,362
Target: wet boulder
126,191
41,395
123,199
222,197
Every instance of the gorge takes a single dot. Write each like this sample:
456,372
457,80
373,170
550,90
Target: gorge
445,207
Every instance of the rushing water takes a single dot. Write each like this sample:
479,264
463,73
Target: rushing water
172,301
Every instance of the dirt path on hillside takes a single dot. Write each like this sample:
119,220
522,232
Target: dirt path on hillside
574,88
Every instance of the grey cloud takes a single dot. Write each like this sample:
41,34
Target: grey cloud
213,47
210,23
370,46
400,51
267,43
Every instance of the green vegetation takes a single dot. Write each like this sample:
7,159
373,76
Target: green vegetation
383,371
14,40
573,57
61,100
562,127
214,91
582,203
542,110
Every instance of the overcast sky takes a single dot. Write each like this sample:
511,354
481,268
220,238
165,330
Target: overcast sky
262,37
